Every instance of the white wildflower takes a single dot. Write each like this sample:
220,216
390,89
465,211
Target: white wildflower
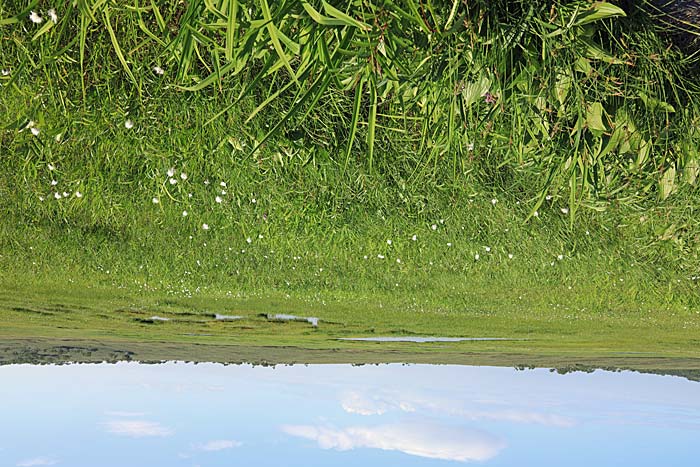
536,214
34,16
35,131
218,199
223,184
494,201
380,256
57,195
171,172
476,257
487,248
184,213
223,192
388,242
260,236
4,72
78,194
548,197
249,240
66,194
206,182
53,16
158,70
398,260
205,226
128,124
560,257
253,200
470,147
565,210
54,182
41,198
172,181
52,167
510,255
434,227
414,238
155,200
449,244
58,137
183,176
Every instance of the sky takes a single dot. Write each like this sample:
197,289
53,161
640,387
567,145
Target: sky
197,415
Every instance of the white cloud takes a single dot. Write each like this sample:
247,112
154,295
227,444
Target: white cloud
218,445
423,440
37,461
138,428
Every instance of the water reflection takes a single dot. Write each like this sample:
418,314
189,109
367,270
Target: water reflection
178,414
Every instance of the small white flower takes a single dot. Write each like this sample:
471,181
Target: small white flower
57,195
78,194
365,257
434,227
158,70
205,226
414,238
380,256
53,16
536,214
206,182
34,16
172,181
565,210
189,195
183,176
476,257
560,257
58,137
66,194
30,124
249,240
223,192
54,182
548,197
442,221
388,242
171,172
223,184
5,72
398,260
128,124
253,200
449,244
510,255
41,198
35,131
218,199
260,236
155,200
487,248
494,201
184,213
52,167
470,147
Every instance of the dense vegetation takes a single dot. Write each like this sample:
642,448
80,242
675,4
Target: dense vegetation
432,153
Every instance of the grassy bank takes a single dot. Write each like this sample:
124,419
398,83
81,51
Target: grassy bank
124,195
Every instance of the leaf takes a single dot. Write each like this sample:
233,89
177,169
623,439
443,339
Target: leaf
274,37
346,19
321,19
594,119
652,104
599,11
668,182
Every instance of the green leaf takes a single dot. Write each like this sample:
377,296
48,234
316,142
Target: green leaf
594,119
599,11
346,19
652,104
667,182
275,38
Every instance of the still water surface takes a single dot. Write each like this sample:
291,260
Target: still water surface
179,414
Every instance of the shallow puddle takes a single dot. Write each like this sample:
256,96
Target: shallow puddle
179,414
219,317
284,317
423,339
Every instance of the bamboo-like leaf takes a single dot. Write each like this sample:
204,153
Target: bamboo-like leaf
345,18
274,37
372,121
118,50
44,29
319,18
355,120
598,11
231,28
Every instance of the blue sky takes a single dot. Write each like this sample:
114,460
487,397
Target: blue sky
179,414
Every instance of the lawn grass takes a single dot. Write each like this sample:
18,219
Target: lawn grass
478,230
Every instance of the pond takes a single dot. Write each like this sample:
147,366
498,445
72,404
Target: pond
184,414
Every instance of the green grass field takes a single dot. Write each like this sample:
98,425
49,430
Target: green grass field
540,187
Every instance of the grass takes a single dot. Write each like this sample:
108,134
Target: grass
575,236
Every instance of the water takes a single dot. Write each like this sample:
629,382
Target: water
284,317
179,414
423,339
